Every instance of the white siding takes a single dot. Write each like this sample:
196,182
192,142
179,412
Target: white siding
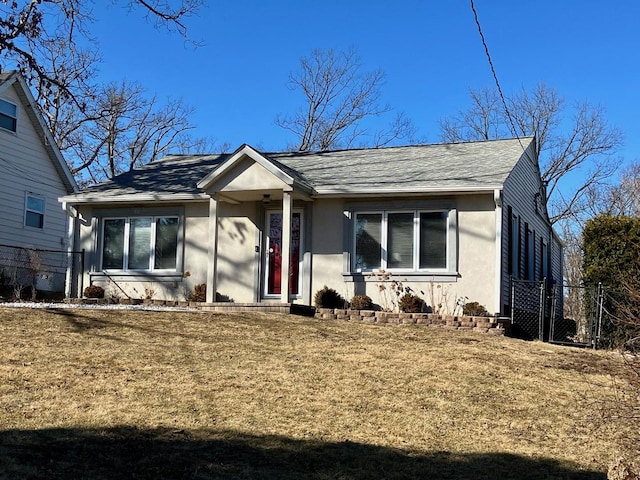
25,167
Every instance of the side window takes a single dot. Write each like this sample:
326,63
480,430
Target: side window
34,211
544,259
8,115
368,242
515,246
433,240
529,253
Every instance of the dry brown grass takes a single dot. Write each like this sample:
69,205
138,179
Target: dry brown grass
113,394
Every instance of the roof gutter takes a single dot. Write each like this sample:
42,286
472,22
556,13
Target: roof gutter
85,199
335,192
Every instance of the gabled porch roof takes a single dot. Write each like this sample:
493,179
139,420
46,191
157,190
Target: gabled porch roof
248,175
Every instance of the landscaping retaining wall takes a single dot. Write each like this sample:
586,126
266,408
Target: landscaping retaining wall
490,325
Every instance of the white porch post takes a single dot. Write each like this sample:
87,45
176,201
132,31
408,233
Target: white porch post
71,229
286,246
212,258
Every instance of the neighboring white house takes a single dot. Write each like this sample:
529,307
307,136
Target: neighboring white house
33,175
448,220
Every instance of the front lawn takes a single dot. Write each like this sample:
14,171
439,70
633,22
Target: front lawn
131,394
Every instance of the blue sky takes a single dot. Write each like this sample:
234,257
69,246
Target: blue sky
430,51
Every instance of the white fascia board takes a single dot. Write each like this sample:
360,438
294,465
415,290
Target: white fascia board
7,83
249,151
132,198
47,138
338,192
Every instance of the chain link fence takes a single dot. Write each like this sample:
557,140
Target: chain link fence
581,319
553,313
26,271
527,309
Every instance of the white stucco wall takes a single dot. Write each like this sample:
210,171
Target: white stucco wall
237,257
326,241
476,244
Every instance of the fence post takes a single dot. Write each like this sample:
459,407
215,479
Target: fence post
81,291
599,305
513,298
552,313
541,310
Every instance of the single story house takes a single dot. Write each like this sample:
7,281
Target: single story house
449,221
33,175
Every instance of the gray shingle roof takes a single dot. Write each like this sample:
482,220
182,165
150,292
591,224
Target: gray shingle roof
440,166
173,174
456,166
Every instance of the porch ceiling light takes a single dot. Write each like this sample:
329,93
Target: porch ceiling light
266,199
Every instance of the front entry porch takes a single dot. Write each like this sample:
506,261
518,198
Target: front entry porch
279,259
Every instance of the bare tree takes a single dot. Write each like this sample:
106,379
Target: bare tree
124,129
28,26
618,199
102,130
581,146
338,96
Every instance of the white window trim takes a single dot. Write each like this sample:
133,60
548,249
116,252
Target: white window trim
27,209
152,242
416,242
15,118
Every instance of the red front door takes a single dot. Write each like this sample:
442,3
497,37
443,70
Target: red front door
274,251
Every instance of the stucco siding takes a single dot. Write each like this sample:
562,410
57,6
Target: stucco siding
477,250
237,256
25,167
168,285
474,263
196,244
248,175
327,246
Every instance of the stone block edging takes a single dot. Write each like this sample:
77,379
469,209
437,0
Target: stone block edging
490,325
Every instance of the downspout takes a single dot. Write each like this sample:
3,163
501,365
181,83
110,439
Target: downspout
497,200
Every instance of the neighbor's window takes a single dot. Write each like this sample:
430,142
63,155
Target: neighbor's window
34,211
140,243
8,115
411,240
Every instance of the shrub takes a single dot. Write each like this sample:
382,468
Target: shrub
361,302
94,291
328,298
474,309
612,257
220,297
199,293
410,303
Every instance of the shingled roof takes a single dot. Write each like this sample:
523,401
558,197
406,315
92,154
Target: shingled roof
438,167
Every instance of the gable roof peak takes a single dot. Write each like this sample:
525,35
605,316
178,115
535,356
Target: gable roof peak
14,78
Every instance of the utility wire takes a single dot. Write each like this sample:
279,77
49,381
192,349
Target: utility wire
495,76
